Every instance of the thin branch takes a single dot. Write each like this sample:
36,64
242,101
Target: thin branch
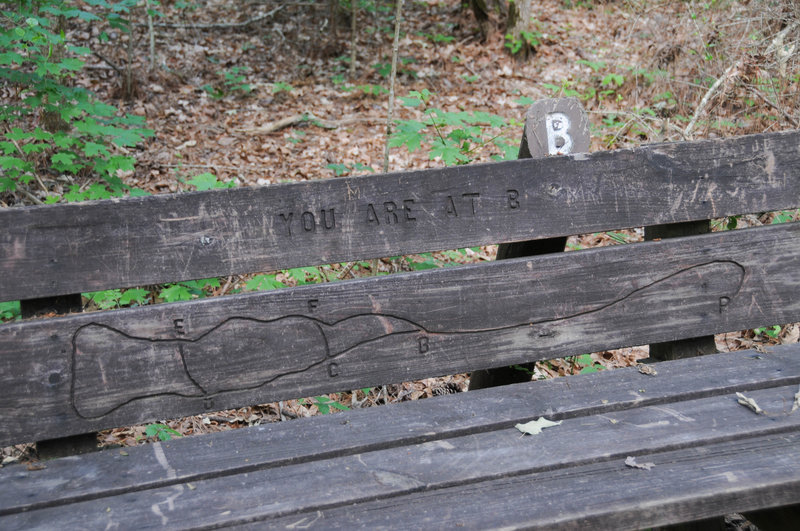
348,270
107,61
730,72
392,77
789,117
30,196
277,125
226,286
151,34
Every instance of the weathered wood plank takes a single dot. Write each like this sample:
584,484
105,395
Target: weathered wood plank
684,485
273,445
436,467
75,444
61,249
693,346
86,372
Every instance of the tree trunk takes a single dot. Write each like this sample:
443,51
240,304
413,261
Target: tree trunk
519,29
487,14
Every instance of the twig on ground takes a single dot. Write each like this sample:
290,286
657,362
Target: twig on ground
789,117
348,270
226,286
729,72
107,61
30,196
283,123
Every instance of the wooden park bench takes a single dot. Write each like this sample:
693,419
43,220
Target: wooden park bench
670,442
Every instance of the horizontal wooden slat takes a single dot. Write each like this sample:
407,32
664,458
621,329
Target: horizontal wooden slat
64,249
274,445
440,475
85,372
684,485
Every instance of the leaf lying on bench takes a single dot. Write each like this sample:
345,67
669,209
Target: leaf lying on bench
749,403
535,427
646,369
796,404
631,462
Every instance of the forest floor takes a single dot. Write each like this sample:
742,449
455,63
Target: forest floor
275,100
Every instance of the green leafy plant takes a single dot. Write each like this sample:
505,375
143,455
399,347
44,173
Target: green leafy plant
451,136
340,170
233,82
594,65
187,290
213,92
529,38
117,298
729,223
10,311
619,237
161,431
324,404
421,262
280,86
54,128
566,90
235,79
384,69
209,181
296,137
612,80
438,37
305,275
263,283
771,332
785,216
589,365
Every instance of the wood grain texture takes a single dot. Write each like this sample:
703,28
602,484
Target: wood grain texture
693,346
86,372
62,249
274,445
536,144
426,484
684,485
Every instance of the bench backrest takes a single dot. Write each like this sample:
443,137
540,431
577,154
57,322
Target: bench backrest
86,372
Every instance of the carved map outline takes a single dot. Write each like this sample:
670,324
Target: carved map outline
102,384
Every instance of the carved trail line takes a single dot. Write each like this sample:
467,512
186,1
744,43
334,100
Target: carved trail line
252,353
